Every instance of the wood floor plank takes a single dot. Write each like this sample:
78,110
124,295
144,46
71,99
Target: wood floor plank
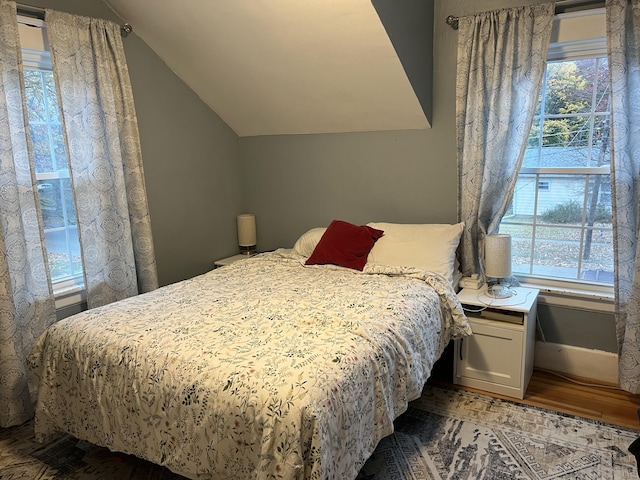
573,396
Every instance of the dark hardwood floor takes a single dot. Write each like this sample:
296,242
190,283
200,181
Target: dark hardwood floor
575,396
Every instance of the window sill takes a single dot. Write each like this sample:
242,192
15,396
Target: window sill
69,296
575,298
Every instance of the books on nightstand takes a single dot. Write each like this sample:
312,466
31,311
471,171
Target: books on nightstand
493,314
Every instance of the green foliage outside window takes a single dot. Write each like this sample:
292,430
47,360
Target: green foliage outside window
571,212
570,90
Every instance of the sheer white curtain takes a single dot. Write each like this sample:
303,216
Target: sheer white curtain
27,305
501,60
623,37
105,158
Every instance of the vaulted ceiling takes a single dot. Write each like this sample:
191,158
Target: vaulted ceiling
270,67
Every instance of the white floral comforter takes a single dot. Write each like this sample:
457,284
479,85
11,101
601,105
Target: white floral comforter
261,369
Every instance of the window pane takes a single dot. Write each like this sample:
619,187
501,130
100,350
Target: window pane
560,223
57,205
573,232
579,132
602,91
534,136
59,150
523,203
51,203
538,106
597,261
61,233
563,202
599,201
570,131
69,203
578,152
556,252
569,87
52,98
44,122
36,106
600,143
41,147
562,156
63,250
520,247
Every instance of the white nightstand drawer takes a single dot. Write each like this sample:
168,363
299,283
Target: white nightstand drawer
497,315
491,354
498,357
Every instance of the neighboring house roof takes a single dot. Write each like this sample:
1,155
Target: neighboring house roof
562,157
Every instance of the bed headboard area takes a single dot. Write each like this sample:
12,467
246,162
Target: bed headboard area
430,247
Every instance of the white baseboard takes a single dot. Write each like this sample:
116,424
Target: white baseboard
581,362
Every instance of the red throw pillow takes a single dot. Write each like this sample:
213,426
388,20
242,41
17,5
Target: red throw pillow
345,244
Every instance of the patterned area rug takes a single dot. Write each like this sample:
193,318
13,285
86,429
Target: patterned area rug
446,434
450,434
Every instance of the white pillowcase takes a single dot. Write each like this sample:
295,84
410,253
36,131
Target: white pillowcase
306,244
426,246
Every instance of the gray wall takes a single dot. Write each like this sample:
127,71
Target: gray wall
191,161
190,156
294,183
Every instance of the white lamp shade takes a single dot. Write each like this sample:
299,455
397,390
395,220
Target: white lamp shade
497,255
247,230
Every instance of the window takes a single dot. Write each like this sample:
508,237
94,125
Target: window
51,162
560,216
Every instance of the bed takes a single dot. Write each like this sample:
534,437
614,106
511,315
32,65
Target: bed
271,367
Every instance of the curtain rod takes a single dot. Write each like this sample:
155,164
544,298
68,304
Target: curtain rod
37,12
561,7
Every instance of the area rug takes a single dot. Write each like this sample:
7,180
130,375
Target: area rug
446,434
453,434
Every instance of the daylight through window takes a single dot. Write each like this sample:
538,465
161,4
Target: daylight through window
51,162
560,215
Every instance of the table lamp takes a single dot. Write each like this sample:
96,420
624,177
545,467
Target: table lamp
497,265
247,233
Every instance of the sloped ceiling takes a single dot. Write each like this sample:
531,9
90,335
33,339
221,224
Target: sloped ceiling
270,67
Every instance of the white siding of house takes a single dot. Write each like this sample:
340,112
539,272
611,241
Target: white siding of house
561,190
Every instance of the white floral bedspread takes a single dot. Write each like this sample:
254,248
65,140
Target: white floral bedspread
261,369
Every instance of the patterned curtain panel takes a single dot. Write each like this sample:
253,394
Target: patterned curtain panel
501,61
623,36
27,306
105,157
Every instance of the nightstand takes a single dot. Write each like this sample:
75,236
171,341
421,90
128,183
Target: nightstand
498,357
229,260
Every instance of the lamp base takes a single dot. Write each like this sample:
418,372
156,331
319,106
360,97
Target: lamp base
250,250
500,291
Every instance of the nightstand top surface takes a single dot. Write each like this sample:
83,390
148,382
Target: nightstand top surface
522,301
226,261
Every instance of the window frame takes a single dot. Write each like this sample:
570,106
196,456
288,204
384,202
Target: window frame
70,290
582,292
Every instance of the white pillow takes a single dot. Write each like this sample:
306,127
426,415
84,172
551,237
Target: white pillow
306,244
426,246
